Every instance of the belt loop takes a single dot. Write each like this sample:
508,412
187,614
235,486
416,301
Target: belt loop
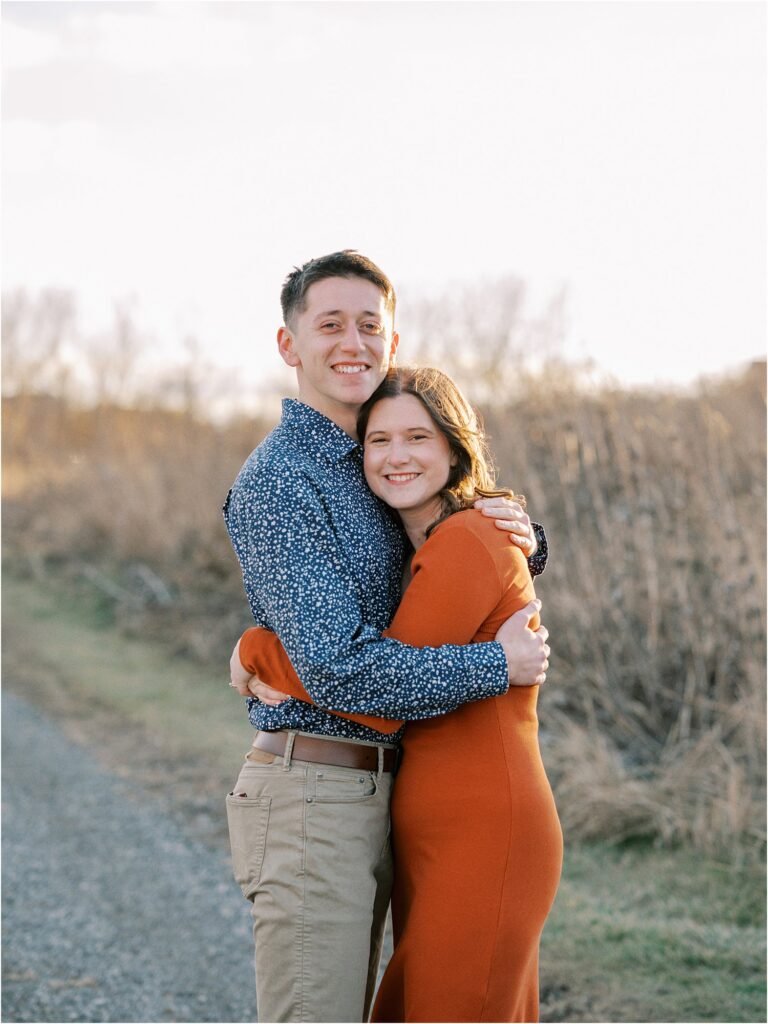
288,751
381,762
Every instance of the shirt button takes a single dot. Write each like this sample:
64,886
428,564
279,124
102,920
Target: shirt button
309,799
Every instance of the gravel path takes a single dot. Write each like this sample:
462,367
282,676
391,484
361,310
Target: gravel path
110,911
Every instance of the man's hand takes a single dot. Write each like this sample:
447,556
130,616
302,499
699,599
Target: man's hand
526,651
511,517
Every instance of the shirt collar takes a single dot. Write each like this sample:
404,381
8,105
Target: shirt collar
314,434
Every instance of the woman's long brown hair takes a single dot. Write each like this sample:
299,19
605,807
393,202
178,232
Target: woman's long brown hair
473,475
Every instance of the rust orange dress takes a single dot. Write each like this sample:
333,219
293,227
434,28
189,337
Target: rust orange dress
476,837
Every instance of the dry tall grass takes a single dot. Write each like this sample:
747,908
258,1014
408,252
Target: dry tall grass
654,710
655,598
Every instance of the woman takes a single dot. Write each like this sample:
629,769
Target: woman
476,837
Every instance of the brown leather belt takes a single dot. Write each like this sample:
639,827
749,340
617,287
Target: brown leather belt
313,748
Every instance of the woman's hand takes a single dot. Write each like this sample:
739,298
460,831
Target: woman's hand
265,693
248,685
511,517
239,677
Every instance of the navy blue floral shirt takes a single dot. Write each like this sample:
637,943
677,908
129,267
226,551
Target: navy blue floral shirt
322,559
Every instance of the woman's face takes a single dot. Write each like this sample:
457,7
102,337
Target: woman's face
407,458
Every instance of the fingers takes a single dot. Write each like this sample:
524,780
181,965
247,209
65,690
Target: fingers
502,507
527,613
545,665
511,515
543,632
523,540
512,520
266,694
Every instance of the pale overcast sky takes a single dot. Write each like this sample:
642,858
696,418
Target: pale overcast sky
189,154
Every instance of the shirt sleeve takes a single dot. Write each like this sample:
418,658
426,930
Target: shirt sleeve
262,654
537,563
295,570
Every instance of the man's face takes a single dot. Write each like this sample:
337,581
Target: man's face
341,345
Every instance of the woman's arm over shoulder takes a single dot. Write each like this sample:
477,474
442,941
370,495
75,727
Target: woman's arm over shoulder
456,585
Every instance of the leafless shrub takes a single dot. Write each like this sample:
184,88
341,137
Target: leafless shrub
655,598
484,335
654,505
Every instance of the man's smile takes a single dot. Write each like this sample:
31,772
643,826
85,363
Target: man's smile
348,368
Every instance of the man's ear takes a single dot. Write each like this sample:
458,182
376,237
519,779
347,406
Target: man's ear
393,348
285,347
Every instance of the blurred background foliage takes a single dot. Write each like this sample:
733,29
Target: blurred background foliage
653,500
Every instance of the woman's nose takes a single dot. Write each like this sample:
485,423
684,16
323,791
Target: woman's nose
398,455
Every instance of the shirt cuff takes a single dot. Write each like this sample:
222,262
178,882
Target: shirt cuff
537,563
486,666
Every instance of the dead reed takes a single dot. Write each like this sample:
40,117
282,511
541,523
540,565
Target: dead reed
653,715
655,599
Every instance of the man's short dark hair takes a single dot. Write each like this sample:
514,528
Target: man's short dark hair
347,263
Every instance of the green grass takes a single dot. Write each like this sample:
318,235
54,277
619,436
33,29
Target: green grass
636,934
641,934
62,649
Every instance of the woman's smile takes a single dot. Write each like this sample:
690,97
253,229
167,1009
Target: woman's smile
401,478
407,461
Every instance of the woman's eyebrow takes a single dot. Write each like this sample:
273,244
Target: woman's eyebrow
408,430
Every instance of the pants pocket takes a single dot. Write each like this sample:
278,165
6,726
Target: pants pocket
344,788
248,818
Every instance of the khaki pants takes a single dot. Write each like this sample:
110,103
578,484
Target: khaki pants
310,849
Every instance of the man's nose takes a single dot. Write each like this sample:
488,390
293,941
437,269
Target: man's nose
352,340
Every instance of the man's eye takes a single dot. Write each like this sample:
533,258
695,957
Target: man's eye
372,327
330,324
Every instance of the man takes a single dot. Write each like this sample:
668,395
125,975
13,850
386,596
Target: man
322,561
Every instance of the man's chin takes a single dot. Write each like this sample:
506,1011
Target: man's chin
357,390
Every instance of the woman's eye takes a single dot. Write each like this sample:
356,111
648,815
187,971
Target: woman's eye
419,437
377,440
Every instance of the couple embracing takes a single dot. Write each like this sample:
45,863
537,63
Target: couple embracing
397,655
